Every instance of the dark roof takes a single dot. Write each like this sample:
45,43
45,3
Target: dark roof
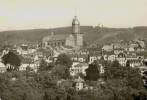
81,64
27,60
95,53
108,53
78,56
56,37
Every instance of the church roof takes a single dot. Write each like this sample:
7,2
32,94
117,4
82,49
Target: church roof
56,37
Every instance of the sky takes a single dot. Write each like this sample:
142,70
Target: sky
32,14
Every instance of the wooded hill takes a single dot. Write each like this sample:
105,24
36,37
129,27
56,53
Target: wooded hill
92,35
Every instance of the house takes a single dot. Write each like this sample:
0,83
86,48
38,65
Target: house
118,50
141,43
122,61
143,69
117,45
92,59
129,57
78,68
131,49
28,63
107,48
4,52
121,58
139,49
31,65
79,57
101,69
111,57
135,63
24,49
133,46
95,55
79,84
2,68
106,54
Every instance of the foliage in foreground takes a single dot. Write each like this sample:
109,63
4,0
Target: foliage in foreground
121,83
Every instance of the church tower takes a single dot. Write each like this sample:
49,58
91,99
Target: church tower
76,33
75,26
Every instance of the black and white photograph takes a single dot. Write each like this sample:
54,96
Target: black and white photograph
73,49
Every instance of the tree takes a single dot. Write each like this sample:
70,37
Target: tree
43,65
123,81
63,63
61,71
72,94
12,59
114,70
19,89
93,72
47,96
64,60
29,69
50,66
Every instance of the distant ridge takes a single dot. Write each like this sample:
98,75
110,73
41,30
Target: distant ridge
92,35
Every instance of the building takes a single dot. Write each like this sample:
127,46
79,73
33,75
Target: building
73,40
108,48
79,84
2,68
24,50
78,68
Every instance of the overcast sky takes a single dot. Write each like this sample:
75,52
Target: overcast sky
30,14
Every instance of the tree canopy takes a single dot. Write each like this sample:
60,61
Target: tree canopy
62,65
61,71
114,70
121,83
64,60
93,71
12,59
131,75
44,66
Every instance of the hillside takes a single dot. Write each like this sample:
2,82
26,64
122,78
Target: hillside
92,35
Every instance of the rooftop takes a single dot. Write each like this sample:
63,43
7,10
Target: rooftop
56,37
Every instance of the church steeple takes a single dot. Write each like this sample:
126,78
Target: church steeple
75,26
75,21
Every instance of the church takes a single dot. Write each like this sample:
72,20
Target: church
73,40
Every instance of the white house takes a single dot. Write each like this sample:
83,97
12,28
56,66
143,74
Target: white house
93,58
25,65
2,68
79,84
78,68
111,57
101,69
135,63
107,47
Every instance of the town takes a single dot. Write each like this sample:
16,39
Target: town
63,62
